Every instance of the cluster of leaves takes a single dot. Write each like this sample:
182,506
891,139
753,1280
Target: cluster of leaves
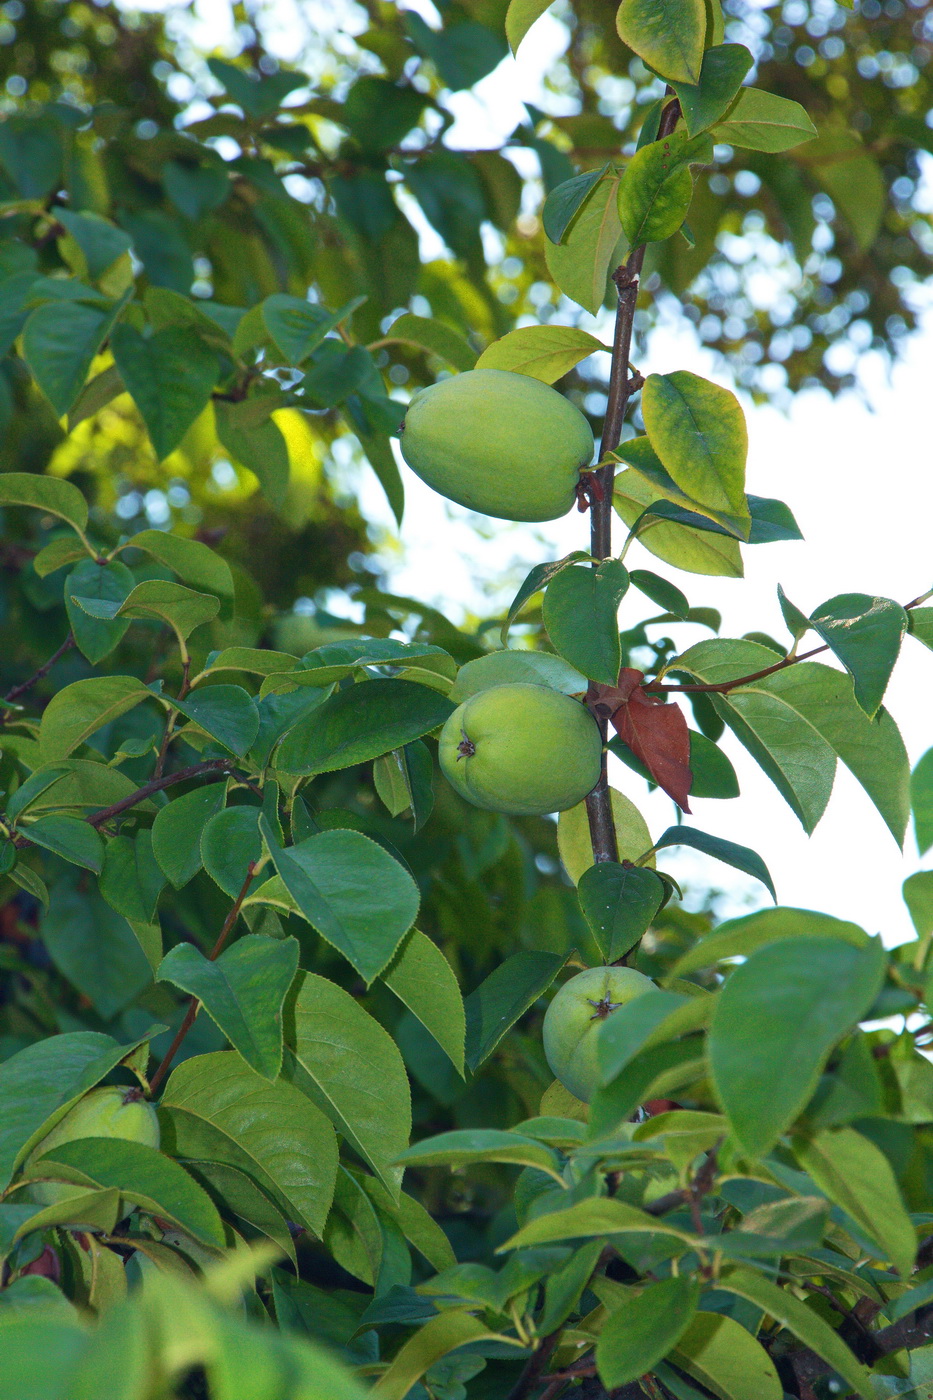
230,879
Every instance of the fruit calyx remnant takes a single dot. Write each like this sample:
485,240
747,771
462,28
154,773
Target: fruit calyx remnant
466,748
603,1008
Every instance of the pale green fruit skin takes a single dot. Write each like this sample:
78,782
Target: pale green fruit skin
537,751
571,1023
501,443
100,1113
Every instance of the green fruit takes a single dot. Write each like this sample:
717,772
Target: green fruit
522,749
501,443
574,1016
110,1112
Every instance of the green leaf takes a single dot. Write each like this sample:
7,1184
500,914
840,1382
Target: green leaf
46,493
920,620
698,431
519,18
736,938
805,1324
381,458
643,1327
96,948
517,667
350,1067
762,121
432,335
257,444
776,1021
639,454
109,582
297,327
360,723
352,891
543,352
219,1110
667,35
703,103
101,243
724,1356
921,800
661,591
38,1086
423,980
69,838
412,770
66,549
503,998
131,880
619,903
470,1145
575,845
60,340
713,773
657,187
655,1017
169,376
865,633
798,624
242,991
740,857
771,521
592,1217
581,264
795,756
872,749
857,1176
230,843
195,563
429,1344
99,1210
536,580
180,608
563,203
227,712
144,1176
176,831
581,608
682,544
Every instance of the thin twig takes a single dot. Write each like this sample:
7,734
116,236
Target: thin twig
212,770
21,689
194,1004
723,687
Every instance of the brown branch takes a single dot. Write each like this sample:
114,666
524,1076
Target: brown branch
212,770
534,1367
21,689
194,1004
723,687
621,388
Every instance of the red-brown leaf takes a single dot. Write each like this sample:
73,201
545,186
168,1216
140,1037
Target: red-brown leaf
656,733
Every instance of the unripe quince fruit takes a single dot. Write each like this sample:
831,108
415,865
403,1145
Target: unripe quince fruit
574,1017
501,443
111,1112
522,749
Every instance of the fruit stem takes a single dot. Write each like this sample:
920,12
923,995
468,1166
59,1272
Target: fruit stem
621,388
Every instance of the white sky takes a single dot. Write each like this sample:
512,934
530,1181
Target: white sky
857,478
